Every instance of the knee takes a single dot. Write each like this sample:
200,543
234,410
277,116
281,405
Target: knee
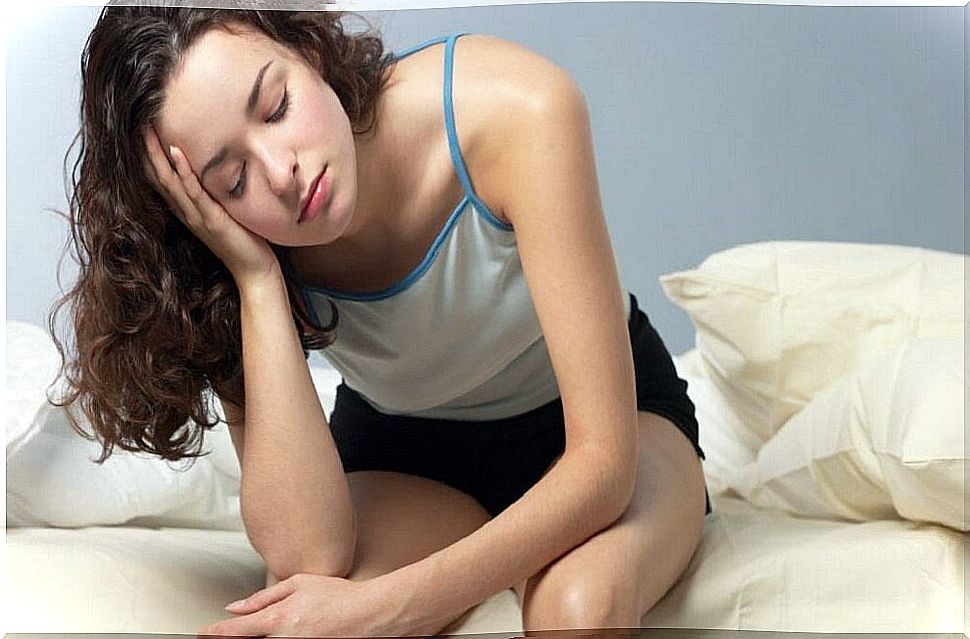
581,603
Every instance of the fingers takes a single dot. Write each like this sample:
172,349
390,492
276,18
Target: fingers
160,172
189,182
157,167
258,624
258,617
178,185
262,598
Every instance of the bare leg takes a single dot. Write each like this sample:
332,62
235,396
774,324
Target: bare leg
402,519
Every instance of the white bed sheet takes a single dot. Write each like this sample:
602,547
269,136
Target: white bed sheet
755,570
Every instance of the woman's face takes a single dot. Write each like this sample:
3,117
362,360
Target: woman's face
258,126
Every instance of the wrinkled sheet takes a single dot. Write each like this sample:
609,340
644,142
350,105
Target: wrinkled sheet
755,570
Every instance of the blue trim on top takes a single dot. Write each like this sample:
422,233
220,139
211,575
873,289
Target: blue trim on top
469,191
408,281
307,302
456,158
308,305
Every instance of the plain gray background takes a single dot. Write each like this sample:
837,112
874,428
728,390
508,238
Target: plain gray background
714,125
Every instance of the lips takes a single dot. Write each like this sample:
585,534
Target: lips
315,197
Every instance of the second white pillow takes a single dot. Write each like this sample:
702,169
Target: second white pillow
779,322
886,441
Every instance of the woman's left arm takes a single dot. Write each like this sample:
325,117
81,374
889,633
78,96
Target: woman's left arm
547,187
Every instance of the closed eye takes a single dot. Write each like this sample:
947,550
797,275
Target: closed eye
278,115
281,111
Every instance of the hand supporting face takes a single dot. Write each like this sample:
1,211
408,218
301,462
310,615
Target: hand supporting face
244,253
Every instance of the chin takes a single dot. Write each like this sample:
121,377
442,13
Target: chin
299,242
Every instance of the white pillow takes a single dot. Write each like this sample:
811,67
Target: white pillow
325,379
778,322
32,365
52,479
727,444
886,441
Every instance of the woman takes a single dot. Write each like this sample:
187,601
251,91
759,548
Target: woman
253,183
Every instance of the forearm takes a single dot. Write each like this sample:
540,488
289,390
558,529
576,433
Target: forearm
294,496
586,491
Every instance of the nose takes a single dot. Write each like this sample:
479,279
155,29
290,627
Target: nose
281,170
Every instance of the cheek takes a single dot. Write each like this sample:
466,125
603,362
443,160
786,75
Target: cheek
256,216
309,125
320,114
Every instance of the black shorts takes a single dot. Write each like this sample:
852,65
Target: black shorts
497,461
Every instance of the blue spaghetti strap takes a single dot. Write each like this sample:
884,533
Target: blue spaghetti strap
449,112
456,158
453,146
417,47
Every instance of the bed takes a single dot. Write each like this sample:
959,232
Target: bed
829,381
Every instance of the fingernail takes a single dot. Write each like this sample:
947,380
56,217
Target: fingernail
171,151
236,604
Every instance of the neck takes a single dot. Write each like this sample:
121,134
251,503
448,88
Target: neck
380,184
382,179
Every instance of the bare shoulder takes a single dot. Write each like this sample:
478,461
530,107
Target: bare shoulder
489,62
487,67
498,87
491,77
499,81
501,89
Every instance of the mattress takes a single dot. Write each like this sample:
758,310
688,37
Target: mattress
755,570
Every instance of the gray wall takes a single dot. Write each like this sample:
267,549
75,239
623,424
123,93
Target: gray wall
714,125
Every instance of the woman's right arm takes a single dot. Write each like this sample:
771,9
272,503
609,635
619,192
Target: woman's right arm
294,496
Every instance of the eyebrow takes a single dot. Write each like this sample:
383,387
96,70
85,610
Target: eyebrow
251,102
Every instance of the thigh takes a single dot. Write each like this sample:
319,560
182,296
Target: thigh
658,387
404,518
618,574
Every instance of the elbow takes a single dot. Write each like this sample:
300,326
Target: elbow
332,555
610,482
330,560
625,490
326,564
626,483
620,480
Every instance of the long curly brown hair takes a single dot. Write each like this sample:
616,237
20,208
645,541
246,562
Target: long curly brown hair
155,314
